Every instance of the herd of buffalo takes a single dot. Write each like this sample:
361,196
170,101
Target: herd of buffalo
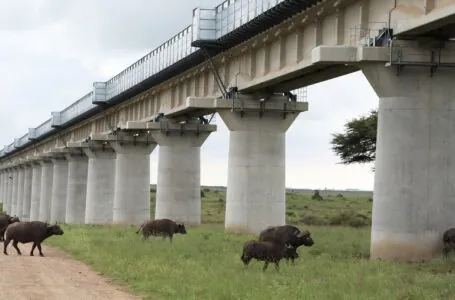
274,242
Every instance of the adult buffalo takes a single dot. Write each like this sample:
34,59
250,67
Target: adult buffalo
26,232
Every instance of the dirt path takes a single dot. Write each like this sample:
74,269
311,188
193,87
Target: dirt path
55,276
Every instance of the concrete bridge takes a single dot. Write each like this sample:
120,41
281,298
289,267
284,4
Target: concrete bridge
89,163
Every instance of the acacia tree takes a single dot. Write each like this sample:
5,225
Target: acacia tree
357,144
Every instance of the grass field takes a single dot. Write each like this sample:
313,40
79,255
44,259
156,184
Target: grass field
205,263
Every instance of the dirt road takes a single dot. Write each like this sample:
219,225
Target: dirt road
55,276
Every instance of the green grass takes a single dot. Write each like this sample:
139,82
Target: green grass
205,263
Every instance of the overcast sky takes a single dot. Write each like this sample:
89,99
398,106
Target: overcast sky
53,50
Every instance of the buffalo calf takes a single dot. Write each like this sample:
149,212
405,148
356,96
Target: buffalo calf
267,252
161,227
26,232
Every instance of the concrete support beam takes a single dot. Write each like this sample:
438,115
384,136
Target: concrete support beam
36,191
256,166
59,188
27,194
415,168
47,175
178,195
100,185
14,189
132,182
77,188
20,190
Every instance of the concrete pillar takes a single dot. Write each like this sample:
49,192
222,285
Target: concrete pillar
9,191
14,189
100,185
3,188
26,197
20,190
77,188
178,193
47,172
256,191
414,187
132,182
2,185
59,188
36,192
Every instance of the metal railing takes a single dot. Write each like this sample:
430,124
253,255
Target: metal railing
207,23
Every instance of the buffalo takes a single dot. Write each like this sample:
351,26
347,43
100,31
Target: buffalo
286,235
5,220
448,239
268,252
26,232
161,227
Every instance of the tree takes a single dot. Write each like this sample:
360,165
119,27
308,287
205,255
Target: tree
357,144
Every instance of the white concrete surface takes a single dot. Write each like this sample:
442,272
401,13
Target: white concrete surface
2,185
256,170
20,190
26,197
59,187
178,194
132,183
36,192
414,188
47,172
77,188
14,191
9,192
100,186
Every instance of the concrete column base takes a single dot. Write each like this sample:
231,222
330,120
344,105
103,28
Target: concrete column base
36,192
47,172
415,168
77,188
26,199
59,187
132,182
256,191
178,194
100,185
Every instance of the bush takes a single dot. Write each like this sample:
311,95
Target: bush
317,196
313,220
350,218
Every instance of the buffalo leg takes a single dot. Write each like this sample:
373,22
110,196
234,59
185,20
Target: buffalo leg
277,266
39,248
17,248
33,249
5,245
266,264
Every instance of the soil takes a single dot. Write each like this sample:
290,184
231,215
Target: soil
54,276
